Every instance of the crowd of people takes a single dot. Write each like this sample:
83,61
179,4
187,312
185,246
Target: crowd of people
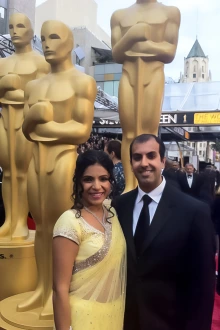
95,142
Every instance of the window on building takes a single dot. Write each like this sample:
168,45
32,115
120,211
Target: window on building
202,68
3,20
203,76
204,145
111,87
194,68
194,75
200,153
200,145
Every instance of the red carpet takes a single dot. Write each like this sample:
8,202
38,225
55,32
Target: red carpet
216,314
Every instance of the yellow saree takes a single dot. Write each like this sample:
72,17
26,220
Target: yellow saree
97,288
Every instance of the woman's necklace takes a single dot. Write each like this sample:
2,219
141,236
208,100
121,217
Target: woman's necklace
102,222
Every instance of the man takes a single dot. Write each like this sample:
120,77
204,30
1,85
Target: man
191,183
176,166
170,174
113,149
144,38
170,246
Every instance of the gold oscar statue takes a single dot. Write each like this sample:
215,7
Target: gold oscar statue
144,38
17,262
15,151
58,116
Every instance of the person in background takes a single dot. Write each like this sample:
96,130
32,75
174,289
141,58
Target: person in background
176,165
216,220
191,183
170,173
113,149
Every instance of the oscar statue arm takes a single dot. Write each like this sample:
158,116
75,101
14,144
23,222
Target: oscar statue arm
77,130
122,43
39,113
10,83
163,51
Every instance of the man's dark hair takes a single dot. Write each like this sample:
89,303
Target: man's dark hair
114,146
147,137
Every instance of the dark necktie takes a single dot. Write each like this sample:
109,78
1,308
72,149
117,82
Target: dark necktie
142,225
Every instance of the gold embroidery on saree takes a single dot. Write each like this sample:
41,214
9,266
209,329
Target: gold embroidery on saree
69,233
99,255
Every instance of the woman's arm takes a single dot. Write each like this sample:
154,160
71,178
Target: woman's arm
64,255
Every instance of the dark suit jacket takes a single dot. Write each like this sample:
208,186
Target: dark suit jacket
195,189
171,285
172,177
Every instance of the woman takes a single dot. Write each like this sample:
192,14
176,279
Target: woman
89,253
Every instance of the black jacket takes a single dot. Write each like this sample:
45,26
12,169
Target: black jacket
171,285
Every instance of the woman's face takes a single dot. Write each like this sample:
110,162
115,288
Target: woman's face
96,185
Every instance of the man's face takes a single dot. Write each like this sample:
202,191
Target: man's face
189,169
176,165
20,30
147,165
56,41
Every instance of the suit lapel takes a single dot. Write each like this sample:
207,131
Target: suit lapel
127,221
162,215
194,183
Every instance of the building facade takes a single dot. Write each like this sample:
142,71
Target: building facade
8,7
74,13
85,43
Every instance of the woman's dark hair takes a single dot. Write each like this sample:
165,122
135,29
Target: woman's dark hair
84,160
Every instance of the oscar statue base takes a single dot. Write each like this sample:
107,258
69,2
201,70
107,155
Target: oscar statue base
11,319
17,268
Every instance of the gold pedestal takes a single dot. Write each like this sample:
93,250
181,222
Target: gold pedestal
17,267
11,319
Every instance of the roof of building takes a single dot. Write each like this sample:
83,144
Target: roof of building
104,54
196,50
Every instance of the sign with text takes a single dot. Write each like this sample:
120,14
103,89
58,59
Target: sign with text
179,131
173,119
207,118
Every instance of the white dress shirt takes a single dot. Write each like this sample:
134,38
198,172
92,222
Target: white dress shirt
155,195
189,180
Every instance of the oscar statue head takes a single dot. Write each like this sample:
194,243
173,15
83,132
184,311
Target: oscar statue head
20,29
57,41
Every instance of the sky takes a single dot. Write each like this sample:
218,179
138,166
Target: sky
199,18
